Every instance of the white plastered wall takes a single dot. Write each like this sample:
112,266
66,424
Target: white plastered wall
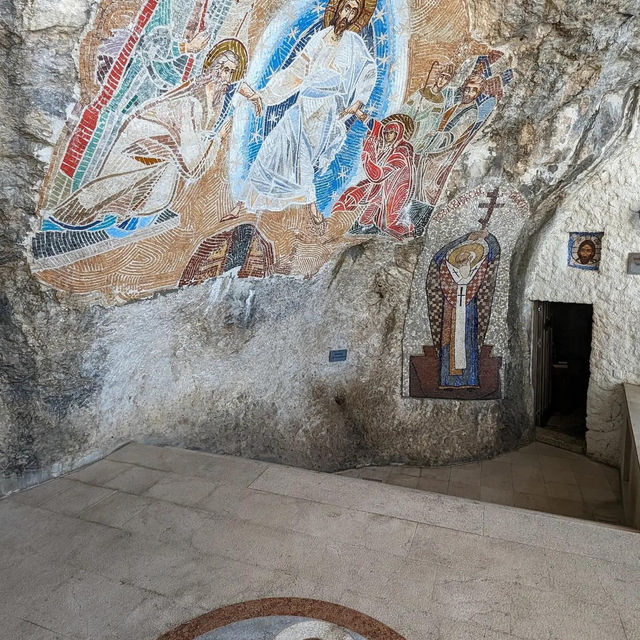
608,200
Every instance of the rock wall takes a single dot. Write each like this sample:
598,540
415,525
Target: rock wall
241,366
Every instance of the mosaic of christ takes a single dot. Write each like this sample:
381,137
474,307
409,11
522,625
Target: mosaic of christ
245,139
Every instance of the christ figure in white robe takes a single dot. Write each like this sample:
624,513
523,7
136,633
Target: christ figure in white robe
333,76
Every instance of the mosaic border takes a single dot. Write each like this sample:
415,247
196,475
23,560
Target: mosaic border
350,619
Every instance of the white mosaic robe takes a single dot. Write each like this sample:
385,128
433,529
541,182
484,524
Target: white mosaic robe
162,144
328,77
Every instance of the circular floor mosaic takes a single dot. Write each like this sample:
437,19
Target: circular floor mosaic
283,619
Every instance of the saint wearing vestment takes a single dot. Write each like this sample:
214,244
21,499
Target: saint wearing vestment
427,106
460,285
332,76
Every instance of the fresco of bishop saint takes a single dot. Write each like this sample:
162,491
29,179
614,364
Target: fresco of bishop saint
460,285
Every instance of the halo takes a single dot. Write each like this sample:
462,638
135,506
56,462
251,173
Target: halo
405,120
229,44
475,247
369,6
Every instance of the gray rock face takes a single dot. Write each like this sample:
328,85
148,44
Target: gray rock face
241,366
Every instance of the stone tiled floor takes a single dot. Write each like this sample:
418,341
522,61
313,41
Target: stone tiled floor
538,476
150,537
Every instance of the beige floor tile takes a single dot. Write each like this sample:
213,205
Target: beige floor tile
539,615
466,555
329,522
76,498
610,512
592,492
229,469
401,480
564,491
466,474
406,469
585,467
622,585
54,537
577,577
170,522
136,480
532,485
418,506
432,484
143,455
482,601
498,479
556,462
38,495
350,473
181,489
412,623
495,466
436,473
563,534
526,472
547,450
532,501
457,630
462,490
375,473
517,458
115,510
216,468
29,583
497,495
561,475
100,472
19,629
566,507
77,608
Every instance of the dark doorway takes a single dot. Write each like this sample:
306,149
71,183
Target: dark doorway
562,348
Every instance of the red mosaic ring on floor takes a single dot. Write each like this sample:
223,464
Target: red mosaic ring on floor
295,614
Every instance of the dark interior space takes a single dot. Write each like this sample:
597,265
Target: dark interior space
564,349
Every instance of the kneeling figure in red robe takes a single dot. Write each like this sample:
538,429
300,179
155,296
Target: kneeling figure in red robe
387,160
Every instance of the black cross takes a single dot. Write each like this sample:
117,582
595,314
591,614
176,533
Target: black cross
490,206
460,296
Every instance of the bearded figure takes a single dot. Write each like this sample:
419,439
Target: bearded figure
332,76
168,141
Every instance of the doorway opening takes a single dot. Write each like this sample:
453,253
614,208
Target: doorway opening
561,354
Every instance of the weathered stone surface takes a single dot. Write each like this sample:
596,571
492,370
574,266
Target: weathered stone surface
242,367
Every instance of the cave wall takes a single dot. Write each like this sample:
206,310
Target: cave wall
241,366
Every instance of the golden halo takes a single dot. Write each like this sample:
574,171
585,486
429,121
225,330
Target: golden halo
476,247
405,120
369,6
230,44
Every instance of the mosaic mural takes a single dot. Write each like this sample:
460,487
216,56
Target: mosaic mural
461,290
256,138
585,249
283,619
